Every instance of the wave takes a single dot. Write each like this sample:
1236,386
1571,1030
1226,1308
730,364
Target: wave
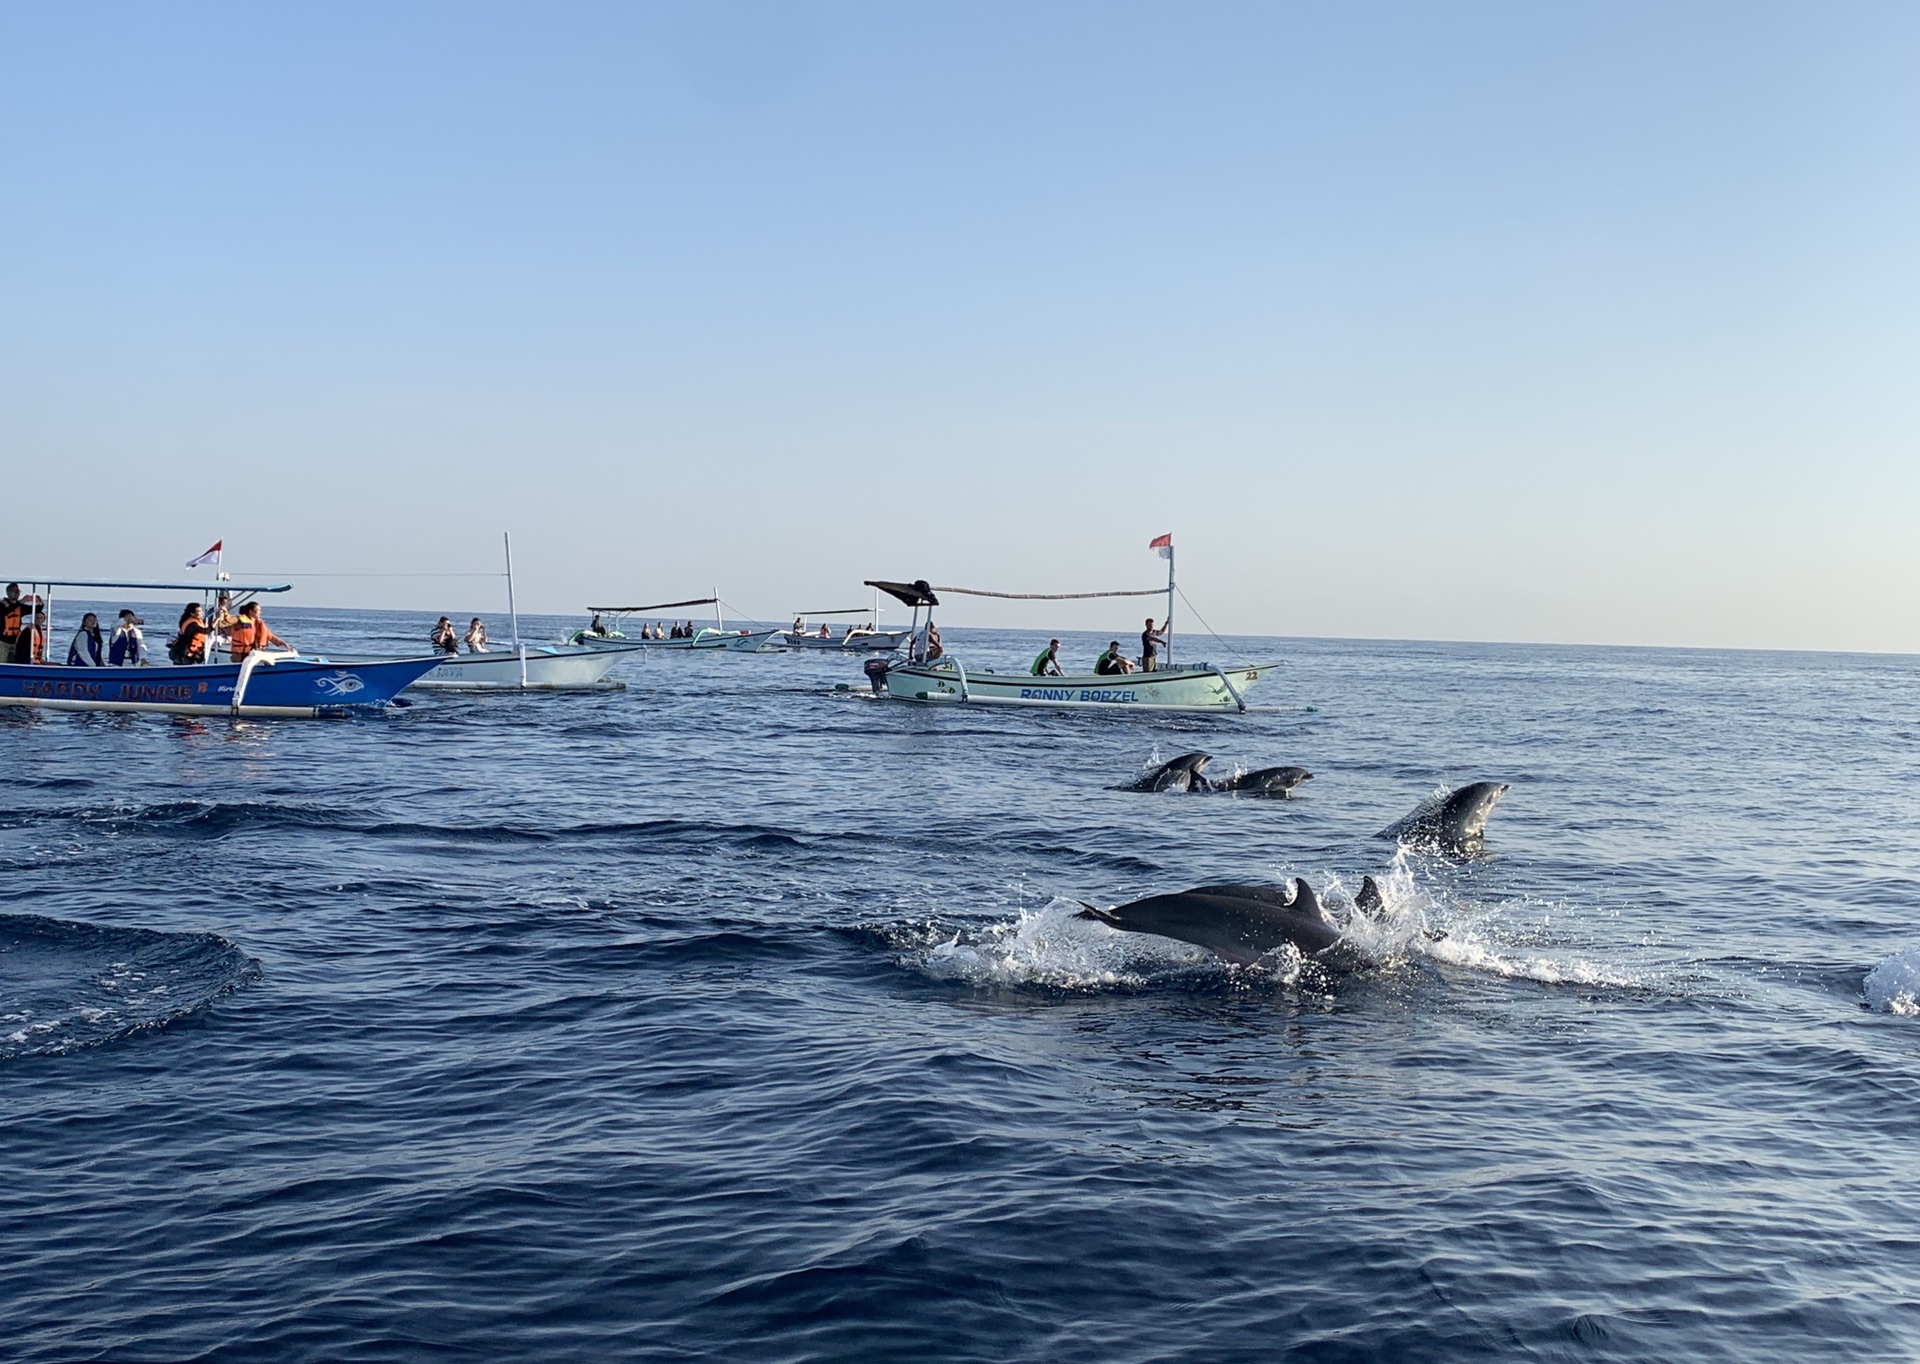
65,985
1893,986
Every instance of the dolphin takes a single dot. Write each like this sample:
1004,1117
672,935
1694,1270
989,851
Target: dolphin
1277,782
1453,821
1188,773
1180,774
1239,924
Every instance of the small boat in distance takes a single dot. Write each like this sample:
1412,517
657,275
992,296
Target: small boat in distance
266,684
716,636
858,639
929,674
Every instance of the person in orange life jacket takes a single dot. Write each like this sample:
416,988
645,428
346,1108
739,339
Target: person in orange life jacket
89,647
128,648
30,645
15,610
249,632
190,643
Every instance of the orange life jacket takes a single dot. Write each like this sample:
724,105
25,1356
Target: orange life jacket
241,635
11,622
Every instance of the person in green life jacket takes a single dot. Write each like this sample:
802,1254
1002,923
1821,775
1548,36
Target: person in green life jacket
1048,663
1112,661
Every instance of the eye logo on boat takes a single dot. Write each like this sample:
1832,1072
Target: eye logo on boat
340,684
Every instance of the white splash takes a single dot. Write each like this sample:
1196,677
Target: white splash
1894,985
1414,921
1052,947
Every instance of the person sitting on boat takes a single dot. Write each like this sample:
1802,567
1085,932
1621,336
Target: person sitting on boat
594,629
445,640
1048,663
190,643
250,632
824,632
89,647
31,645
935,651
128,647
1112,662
1150,642
477,635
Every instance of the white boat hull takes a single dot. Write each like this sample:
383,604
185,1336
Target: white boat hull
549,668
1201,688
866,642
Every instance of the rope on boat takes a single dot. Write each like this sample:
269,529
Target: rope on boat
1210,630
1049,596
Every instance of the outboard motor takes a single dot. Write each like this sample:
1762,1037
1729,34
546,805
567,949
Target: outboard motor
876,669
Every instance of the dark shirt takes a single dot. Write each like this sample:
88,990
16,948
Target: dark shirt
1150,642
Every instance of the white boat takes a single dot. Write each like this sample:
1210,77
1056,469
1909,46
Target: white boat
1193,687
715,636
930,675
858,640
545,667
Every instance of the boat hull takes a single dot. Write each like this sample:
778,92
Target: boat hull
752,641
283,688
549,668
873,642
1202,688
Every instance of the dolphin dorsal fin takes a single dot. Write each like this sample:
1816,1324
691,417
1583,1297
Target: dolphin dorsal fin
1369,900
1304,899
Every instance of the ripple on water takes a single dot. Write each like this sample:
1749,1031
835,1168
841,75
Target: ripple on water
66,985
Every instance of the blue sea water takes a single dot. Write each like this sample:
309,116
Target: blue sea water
735,1017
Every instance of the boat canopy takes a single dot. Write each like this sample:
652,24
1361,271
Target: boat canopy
657,606
204,586
845,611
914,594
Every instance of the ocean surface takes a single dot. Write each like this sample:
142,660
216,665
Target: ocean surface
736,1017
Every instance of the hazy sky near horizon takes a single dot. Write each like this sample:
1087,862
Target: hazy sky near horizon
1490,321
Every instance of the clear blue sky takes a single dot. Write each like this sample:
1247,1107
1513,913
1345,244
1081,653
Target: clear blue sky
1492,321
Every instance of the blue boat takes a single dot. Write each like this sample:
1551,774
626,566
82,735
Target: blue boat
268,683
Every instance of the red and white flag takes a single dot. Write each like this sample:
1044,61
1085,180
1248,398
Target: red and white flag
212,556
1163,543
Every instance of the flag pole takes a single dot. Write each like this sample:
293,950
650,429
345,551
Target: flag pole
1168,627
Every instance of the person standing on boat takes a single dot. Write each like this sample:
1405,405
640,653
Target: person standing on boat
89,647
128,648
1048,662
444,639
1150,642
16,608
249,632
477,635
190,643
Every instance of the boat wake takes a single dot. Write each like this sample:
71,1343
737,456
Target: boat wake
65,986
1893,987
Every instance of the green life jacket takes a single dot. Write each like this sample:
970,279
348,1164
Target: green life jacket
1039,668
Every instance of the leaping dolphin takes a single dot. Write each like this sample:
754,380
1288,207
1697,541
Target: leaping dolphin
1453,821
1178,774
1188,773
1239,924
